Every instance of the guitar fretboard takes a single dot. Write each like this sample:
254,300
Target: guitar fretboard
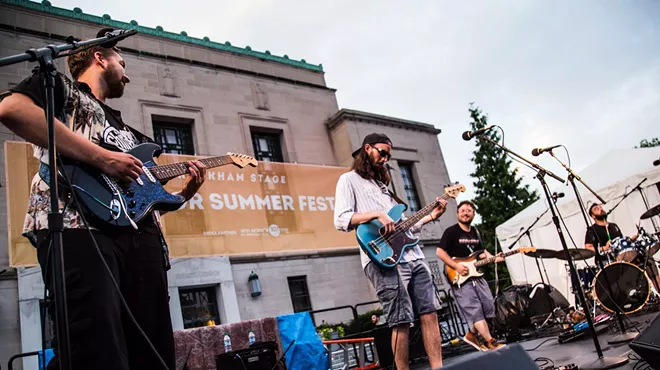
486,261
410,222
170,171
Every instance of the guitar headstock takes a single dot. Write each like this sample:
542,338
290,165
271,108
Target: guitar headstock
242,160
454,190
527,249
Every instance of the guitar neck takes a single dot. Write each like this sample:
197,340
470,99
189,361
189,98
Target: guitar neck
170,171
414,219
486,261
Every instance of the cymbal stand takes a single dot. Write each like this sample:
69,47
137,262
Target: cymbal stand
646,204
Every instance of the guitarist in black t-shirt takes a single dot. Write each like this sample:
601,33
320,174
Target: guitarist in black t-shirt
474,297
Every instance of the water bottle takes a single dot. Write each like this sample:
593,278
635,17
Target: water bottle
227,343
251,337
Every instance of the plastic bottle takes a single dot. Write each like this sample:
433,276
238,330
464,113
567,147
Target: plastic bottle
227,343
251,337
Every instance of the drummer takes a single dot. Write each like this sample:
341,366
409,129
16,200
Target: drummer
602,232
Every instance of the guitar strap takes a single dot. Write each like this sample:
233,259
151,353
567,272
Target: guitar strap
481,239
398,200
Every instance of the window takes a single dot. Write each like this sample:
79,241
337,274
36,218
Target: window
199,307
409,186
267,146
174,135
299,293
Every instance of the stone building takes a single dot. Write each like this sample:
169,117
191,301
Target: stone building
200,97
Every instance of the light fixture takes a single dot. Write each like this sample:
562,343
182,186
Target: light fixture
255,285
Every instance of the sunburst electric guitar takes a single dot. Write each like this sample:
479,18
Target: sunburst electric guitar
473,263
387,251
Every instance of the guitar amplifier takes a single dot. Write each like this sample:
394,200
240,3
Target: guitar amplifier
261,356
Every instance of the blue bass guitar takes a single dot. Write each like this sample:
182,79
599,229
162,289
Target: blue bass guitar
387,251
121,204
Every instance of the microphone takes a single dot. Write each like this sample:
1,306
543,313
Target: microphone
467,135
114,36
537,151
656,162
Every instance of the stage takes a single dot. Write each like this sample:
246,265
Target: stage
577,352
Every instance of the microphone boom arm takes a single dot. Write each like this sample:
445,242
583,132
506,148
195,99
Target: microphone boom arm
536,166
578,178
53,51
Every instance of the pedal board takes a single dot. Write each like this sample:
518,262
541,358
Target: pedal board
581,330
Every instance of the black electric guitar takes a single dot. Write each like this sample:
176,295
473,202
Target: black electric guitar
120,204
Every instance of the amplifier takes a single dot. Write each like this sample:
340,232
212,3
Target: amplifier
253,358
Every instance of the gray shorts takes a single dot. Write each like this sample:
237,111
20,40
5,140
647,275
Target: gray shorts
403,291
475,299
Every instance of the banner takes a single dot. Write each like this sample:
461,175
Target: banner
274,207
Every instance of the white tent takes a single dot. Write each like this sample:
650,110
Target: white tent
611,176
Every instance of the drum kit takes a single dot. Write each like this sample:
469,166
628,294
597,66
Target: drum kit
629,276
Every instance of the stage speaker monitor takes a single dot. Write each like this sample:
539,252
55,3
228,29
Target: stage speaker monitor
647,344
261,356
511,357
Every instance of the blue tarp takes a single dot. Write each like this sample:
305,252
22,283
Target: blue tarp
49,356
307,352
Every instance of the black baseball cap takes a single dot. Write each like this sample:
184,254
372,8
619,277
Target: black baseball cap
371,139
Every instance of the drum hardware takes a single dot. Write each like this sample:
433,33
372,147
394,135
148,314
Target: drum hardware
575,254
655,211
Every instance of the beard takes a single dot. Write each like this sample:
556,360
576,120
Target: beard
114,84
601,217
466,223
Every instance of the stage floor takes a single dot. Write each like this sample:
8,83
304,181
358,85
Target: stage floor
578,352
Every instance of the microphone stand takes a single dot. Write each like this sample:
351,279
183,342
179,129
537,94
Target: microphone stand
624,336
602,362
526,233
46,56
628,194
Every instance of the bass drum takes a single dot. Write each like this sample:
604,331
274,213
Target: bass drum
629,286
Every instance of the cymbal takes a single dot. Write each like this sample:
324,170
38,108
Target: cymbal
576,254
542,253
655,211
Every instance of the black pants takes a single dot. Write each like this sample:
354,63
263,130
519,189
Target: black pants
102,336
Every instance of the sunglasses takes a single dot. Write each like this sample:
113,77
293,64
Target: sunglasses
383,153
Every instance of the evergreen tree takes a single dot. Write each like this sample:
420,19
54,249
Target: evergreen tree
499,190
648,143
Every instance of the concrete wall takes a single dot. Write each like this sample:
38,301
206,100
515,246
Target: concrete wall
332,282
10,338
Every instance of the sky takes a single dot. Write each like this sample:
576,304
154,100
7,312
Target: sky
585,74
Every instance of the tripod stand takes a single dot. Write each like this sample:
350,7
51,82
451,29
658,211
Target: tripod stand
45,57
572,176
602,362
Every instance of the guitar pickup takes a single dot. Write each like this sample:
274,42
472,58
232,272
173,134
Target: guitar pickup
374,247
389,260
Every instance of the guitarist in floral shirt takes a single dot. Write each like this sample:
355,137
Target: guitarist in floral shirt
102,336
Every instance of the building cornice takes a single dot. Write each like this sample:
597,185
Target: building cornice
46,7
377,119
